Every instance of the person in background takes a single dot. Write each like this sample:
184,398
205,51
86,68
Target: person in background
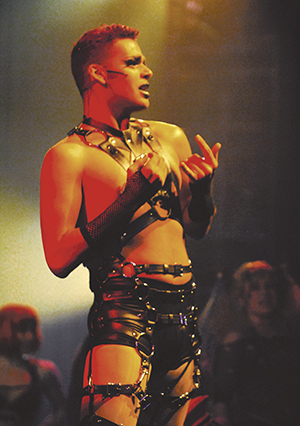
118,195
251,348
24,379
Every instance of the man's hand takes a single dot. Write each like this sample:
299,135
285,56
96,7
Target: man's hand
152,165
197,167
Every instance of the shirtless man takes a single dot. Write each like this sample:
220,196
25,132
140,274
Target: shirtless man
108,172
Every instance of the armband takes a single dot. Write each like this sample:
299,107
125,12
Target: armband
202,205
111,222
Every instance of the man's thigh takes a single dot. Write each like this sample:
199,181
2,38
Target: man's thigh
113,364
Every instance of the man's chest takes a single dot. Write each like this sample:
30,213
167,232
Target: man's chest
105,174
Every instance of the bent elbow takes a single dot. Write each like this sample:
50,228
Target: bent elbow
59,268
60,273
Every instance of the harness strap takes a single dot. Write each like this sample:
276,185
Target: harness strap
174,403
135,227
121,314
110,390
143,221
131,138
171,404
131,270
91,384
94,420
114,143
101,271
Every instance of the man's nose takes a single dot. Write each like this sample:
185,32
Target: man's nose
148,73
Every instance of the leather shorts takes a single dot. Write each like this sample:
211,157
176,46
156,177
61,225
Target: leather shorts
152,316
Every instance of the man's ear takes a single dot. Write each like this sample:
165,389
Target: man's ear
97,73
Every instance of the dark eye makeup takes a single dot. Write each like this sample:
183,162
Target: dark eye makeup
133,61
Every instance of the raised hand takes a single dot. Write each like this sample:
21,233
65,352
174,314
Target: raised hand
197,167
152,165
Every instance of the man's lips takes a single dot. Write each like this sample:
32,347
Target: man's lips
145,89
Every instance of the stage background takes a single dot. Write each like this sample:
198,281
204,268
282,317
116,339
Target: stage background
228,69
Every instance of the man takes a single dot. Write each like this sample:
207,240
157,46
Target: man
116,195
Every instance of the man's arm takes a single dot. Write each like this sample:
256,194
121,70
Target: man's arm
110,223
60,202
200,171
196,172
61,197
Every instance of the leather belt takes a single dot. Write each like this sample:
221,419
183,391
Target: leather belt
130,269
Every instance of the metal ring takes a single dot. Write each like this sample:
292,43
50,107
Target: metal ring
142,354
132,271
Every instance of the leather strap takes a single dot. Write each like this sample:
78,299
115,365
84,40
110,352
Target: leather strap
130,269
123,315
110,390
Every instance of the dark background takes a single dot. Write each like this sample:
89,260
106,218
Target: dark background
227,69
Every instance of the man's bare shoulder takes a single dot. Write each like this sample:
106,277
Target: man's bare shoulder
69,146
166,130
65,158
171,135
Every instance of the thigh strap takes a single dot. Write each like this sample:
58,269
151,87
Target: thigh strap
166,405
94,420
111,390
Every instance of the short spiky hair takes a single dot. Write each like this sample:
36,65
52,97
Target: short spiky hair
93,47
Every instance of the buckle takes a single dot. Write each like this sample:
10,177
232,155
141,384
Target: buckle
113,389
147,340
178,270
127,269
165,267
183,319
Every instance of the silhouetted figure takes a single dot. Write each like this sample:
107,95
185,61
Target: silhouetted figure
251,345
24,379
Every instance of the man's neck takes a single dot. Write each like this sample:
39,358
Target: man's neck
99,111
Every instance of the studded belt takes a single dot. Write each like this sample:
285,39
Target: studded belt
131,270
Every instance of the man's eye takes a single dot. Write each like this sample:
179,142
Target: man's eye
132,62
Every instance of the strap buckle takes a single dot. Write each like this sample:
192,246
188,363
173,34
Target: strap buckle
113,389
183,319
178,270
147,339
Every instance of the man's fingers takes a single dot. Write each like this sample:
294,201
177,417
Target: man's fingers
205,148
139,162
188,171
193,172
155,168
216,149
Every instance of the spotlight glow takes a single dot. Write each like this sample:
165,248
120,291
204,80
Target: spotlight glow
25,277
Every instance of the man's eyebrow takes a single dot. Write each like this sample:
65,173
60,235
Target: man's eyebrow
137,59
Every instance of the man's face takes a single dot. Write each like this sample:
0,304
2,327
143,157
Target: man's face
128,76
